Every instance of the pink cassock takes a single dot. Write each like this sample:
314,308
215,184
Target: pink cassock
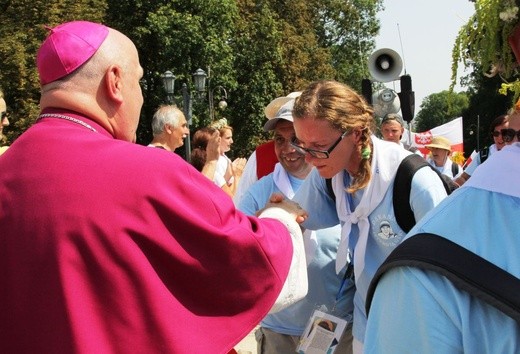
112,247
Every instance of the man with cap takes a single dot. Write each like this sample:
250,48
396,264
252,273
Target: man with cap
262,161
281,332
392,128
4,122
169,128
440,148
114,247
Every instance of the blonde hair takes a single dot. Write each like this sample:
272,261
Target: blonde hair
345,110
221,125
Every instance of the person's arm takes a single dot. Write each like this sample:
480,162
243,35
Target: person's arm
429,329
248,178
212,155
463,178
237,166
296,283
426,192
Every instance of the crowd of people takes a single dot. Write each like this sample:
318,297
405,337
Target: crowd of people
118,247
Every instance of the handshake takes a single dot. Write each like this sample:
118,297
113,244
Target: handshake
277,200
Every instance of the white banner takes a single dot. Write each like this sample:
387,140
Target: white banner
451,131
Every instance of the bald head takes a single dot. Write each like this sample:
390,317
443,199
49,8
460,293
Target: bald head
105,88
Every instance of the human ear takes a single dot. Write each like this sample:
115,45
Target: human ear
114,83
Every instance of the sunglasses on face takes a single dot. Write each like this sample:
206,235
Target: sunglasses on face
496,133
319,154
509,135
3,115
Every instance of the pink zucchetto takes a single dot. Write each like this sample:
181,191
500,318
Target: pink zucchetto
67,47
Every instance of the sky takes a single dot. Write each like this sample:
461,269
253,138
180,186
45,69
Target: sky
423,32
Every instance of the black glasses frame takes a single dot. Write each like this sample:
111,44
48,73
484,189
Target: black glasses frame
3,115
509,134
319,154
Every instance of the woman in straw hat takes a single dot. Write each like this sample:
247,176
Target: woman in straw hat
440,148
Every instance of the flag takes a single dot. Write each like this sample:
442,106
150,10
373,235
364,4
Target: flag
451,131
470,158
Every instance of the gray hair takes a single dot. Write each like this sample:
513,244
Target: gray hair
170,114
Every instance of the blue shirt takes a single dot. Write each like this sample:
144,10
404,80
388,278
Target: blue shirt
416,311
325,286
427,191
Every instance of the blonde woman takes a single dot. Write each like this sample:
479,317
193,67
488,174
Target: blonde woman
227,172
335,131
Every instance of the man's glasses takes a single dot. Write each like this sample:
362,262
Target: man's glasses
509,135
3,115
319,154
496,133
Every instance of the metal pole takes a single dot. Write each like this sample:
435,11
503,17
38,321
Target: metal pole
211,107
186,98
410,133
478,132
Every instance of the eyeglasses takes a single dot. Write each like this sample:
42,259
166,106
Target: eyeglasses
3,115
319,154
496,133
509,135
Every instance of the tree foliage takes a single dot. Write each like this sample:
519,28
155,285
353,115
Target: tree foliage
484,106
22,31
256,50
440,108
484,41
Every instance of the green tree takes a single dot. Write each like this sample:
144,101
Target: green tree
347,29
440,108
485,104
22,31
285,45
180,36
257,50
485,41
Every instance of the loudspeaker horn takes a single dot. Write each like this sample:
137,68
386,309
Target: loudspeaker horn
385,65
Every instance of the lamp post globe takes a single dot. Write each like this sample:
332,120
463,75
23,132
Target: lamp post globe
199,78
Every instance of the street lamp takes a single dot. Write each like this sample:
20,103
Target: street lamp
222,104
199,78
169,85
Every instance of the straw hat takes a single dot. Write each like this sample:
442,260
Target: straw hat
274,106
439,142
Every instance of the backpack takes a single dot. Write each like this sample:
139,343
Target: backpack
484,154
402,185
465,269
454,169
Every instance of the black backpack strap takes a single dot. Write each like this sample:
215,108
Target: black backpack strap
328,183
403,184
401,193
484,154
454,169
466,270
